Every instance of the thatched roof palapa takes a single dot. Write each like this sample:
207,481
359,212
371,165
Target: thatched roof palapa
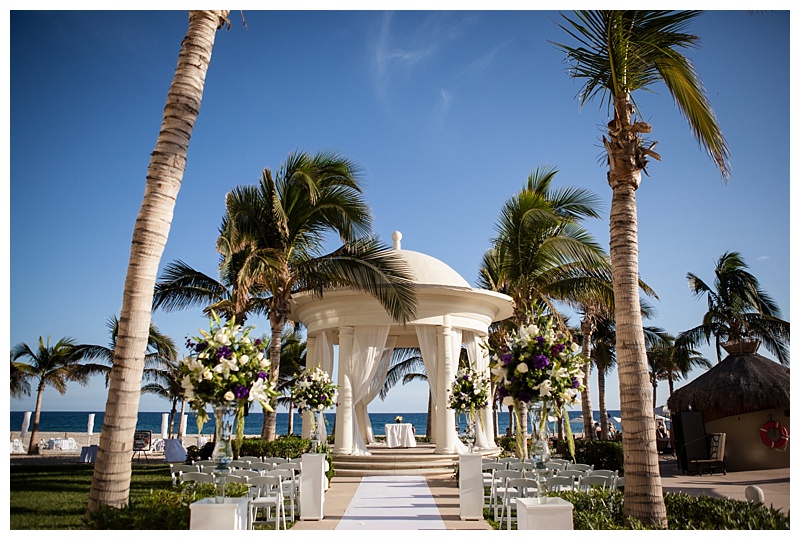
740,384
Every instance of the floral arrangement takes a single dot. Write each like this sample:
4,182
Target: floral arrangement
398,419
226,367
313,391
469,393
538,363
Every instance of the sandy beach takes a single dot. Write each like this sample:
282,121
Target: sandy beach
83,439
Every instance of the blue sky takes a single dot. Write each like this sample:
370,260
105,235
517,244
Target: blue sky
446,112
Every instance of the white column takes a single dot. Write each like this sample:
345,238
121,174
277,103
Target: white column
344,410
446,433
311,361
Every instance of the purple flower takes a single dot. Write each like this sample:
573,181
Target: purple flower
541,362
539,340
557,348
506,358
203,345
575,383
240,392
224,352
257,342
262,375
466,377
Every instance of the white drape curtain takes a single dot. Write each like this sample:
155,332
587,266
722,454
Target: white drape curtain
375,387
426,335
479,360
324,355
368,345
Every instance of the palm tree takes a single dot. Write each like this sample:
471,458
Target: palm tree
671,360
604,358
619,52
279,228
20,385
52,366
164,381
182,287
293,358
738,309
112,469
542,254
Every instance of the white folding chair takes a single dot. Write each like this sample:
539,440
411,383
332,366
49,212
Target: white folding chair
250,459
197,477
587,483
499,487
560,483
515,487
487,471
261,467
555,466
579,467
606,472
177,469
267,496
274,460
291,484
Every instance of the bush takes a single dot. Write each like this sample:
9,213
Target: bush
601,509
601,454
163,509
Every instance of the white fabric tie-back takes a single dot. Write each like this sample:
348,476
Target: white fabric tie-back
368,345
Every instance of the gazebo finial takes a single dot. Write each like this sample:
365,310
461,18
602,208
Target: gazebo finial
397,236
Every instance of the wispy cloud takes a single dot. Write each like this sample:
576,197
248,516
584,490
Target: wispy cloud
482,63
389,55
763,258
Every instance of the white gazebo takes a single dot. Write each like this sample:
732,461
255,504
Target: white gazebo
449,313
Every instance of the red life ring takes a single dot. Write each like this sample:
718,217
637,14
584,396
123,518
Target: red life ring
774,435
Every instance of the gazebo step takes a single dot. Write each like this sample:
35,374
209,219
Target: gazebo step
416,461
439,471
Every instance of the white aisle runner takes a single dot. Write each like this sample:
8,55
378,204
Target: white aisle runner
391,503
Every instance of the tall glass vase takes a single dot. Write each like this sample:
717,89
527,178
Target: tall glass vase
541,447
469,432
224,419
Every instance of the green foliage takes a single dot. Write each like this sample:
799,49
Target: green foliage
601,454
288,446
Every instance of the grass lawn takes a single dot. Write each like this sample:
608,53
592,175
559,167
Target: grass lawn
55,497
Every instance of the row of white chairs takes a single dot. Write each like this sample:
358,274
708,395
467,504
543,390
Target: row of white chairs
507,479
245,473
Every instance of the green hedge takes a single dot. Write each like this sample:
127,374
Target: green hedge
601,454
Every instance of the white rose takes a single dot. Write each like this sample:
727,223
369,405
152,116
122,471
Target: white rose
574,347
508,401
264,363
244,359
229,396
522,368
208,375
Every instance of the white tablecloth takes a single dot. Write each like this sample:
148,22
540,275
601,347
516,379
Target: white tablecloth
400,436
174,451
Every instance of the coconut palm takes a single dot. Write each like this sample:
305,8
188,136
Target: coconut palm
617,53
542,255
112,469
293,359
53,366
164,380
738,309
671,359
280,227
20,385
182,287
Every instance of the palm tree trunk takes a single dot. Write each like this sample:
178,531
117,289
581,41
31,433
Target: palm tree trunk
278,323
643,492
290,426
112,470
33,446
601,399
586,351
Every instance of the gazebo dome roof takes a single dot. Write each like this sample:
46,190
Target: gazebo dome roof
428,270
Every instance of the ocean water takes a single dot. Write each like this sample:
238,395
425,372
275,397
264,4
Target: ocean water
77,422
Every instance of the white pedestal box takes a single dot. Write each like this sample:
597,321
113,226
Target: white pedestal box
555,514
470,486
312,487
230,515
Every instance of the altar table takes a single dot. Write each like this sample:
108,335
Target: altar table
400,436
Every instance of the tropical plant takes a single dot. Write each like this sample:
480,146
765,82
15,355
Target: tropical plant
293,358
161,356
542,255
279,228
671,360
164,380
112,469
53,366
738,309
617,53
20,385
182,287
